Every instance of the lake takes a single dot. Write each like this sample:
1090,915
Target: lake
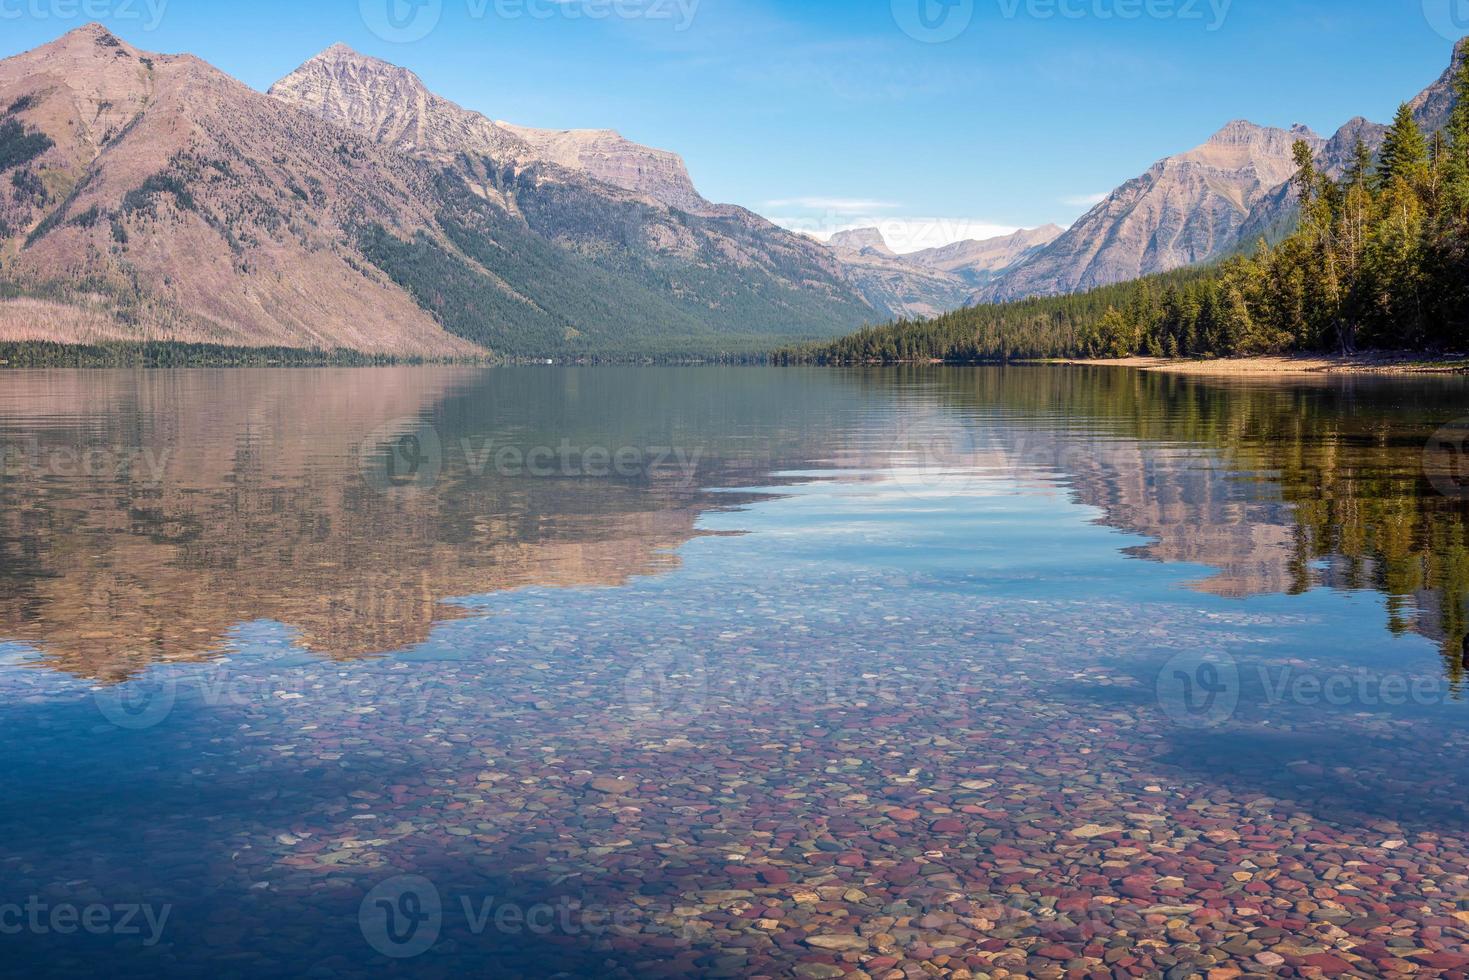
732,672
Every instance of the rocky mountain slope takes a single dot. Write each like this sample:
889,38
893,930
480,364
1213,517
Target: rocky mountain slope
722,266
1432,106
613,159
1186,209
924,284
152,197
889,282
978,262
1199,206
168,201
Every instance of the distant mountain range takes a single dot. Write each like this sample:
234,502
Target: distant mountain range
148,197
924,284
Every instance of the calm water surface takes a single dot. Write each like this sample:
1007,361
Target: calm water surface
663,672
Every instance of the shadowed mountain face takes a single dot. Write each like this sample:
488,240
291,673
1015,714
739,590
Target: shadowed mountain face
151,197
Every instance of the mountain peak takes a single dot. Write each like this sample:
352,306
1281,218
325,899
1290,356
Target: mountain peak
1239,131
861,240
340,53
93,30
341,58
91,37
1235,130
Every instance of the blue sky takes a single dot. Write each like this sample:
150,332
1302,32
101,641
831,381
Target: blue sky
983,116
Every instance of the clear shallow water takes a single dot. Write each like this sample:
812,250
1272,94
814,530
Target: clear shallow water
638,672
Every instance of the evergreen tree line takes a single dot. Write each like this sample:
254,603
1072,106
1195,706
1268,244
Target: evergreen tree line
1379,261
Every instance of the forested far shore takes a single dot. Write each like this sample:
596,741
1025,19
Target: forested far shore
1379,261
47,354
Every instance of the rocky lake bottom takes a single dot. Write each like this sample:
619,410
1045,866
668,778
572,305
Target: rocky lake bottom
982,672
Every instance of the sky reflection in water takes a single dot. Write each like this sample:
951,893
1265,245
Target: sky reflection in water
647,647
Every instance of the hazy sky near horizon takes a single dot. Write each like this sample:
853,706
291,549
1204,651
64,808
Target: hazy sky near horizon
937,119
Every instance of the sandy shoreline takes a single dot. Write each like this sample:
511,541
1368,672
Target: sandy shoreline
1377,363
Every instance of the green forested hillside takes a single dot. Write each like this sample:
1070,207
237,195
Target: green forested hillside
1380,261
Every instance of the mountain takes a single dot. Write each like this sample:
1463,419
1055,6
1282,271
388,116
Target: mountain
716,269
861,240
888,281
1186,209
152,197
1275,215
980,261
924,284
1213,201
613,159
1432,106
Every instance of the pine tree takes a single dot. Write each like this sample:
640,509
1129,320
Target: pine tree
1359,171
1456,159
1306,179
1404,151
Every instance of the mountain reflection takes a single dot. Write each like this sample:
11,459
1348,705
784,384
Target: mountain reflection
144,516
1279,485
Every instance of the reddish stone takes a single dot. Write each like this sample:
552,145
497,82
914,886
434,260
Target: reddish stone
1056,952
1442,961
1325,961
